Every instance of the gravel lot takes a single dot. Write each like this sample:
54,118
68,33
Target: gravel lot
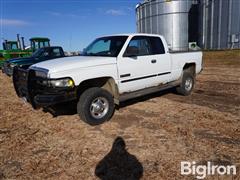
159,131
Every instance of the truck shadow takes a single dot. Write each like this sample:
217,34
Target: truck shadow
63,109
70,108
118,164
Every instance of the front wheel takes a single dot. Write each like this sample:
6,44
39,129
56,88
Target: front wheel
95,106
186,85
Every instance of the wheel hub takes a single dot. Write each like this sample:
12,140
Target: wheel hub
188,84
99,107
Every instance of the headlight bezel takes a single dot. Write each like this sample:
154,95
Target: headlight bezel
40,72
65,82
12,65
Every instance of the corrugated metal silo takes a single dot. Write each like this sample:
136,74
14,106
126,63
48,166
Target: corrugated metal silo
166,17
219,24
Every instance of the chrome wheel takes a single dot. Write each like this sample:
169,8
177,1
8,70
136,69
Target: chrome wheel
99,107
188,84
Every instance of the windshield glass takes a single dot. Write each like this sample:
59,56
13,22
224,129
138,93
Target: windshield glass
14,46
38,53
105,46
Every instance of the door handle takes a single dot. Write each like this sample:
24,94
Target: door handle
153,61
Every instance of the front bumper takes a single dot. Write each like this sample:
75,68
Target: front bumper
7,69
38,95
43,99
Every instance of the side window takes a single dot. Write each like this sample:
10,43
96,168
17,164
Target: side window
142,44
56,52
41,44
157,45
46,44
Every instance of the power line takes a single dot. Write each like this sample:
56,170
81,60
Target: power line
1,19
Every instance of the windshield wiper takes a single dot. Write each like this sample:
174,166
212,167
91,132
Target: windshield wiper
96,54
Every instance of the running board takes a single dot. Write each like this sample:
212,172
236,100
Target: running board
146,91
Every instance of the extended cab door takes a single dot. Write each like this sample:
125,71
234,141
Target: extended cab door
143,64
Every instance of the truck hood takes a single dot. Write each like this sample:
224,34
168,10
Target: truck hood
68,63
20,60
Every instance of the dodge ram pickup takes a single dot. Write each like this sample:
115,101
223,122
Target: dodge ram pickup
110,70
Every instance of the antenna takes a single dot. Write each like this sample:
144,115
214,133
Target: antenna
70,42
1,21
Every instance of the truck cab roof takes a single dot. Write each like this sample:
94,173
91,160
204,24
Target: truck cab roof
51,47
134,34
39,39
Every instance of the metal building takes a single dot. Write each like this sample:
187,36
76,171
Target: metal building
212,24
219,24
168,18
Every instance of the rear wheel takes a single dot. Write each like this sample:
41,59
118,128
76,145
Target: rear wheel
187,84
95,106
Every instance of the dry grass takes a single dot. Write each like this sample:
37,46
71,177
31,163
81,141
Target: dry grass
222,58
159,130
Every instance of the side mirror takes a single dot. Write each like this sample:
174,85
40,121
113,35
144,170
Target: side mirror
131,51
45,54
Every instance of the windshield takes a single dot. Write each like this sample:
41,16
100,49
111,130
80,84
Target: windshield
14,46
105,46
38,53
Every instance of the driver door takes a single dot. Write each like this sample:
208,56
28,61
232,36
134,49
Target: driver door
135,71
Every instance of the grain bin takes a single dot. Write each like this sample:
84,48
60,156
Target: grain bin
166,17
219,24
212,24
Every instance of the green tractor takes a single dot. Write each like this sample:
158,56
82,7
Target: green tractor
39,42
16,49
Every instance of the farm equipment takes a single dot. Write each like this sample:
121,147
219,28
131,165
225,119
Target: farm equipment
17,49
39,42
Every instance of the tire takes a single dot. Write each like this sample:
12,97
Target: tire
187,84
95,106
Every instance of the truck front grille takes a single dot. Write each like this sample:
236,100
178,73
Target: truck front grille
20,81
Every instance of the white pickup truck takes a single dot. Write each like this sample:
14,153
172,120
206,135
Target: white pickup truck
110,70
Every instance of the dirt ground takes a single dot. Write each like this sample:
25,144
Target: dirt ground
159,131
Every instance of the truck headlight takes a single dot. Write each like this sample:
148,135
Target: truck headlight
65,82
12,65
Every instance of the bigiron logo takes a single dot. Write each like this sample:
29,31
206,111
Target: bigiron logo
201,171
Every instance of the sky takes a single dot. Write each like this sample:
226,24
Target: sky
72,24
